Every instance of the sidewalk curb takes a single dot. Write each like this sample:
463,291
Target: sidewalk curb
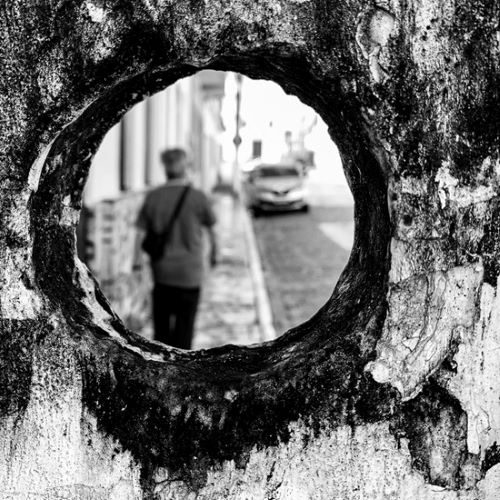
263,304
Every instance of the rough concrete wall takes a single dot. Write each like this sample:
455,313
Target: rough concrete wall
390,391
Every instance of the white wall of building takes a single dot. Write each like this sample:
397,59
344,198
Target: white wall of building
157,135
134,147
104,176
128,159
326,154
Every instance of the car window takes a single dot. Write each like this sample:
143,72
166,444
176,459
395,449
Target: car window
277,172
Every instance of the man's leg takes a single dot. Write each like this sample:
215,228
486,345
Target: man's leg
162,313
185,315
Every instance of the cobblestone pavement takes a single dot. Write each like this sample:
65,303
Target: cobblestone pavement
303,255
228,313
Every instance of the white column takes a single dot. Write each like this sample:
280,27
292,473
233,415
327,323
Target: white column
134,147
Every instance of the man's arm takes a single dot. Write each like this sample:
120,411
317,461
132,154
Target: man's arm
137,262
141,225
213,246
208,220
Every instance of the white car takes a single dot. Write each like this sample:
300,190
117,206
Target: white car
276,187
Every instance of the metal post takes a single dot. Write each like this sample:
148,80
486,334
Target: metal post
237,137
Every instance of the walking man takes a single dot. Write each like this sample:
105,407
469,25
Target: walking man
175,214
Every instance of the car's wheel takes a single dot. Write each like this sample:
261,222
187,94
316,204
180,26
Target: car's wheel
305,209
256,212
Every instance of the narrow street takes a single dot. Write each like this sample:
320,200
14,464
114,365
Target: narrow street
303,254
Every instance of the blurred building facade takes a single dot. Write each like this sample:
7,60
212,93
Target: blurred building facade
127,165
279,129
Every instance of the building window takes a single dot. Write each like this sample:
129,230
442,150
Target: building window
256,149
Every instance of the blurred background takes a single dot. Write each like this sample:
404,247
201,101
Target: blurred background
285,212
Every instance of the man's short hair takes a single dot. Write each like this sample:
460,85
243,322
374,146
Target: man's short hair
171,159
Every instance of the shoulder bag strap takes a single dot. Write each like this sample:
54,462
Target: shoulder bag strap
175,215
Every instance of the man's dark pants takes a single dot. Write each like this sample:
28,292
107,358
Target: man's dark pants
174,312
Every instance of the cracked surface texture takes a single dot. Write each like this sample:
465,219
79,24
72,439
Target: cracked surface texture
390,390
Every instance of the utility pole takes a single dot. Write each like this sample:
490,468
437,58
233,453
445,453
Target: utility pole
237,137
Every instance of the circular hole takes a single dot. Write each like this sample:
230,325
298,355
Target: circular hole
253,150
58,199
133,385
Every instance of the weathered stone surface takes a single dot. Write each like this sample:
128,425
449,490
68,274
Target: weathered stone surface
410,91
